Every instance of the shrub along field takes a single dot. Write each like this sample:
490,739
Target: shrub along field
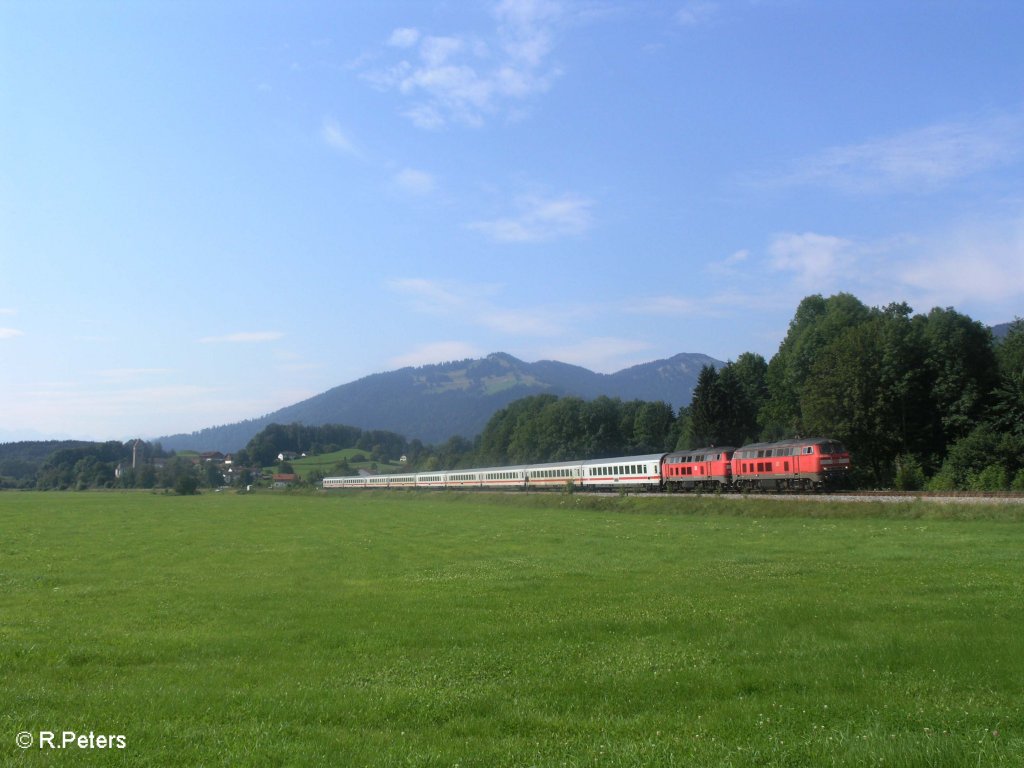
470,630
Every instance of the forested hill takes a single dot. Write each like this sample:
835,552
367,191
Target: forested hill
434,402
20,461
1000,331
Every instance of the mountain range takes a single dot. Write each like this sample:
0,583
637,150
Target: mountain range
435,402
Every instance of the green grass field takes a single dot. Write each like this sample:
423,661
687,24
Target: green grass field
461,630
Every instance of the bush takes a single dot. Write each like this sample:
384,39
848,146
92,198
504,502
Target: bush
1018,482
909,475
943,480
991,478
186,486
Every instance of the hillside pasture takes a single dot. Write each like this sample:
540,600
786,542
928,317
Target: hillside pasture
444,629
326,463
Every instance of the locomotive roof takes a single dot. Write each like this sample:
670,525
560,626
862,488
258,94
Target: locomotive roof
708,449
625,459
791,442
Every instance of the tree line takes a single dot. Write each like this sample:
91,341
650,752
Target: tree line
921,401
84,465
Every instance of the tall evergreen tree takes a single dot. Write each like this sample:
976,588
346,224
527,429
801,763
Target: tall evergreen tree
706,409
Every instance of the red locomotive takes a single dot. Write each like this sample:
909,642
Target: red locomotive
801,464
708,469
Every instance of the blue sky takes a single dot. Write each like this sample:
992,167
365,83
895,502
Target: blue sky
212,210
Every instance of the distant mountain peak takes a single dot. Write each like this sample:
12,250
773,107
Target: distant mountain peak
434,402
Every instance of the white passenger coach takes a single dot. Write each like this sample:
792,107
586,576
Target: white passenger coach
628,472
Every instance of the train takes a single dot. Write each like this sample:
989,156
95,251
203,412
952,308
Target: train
800,464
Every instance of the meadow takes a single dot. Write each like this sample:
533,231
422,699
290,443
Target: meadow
327,463
405,629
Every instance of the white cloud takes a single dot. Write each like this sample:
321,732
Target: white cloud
245,337
435,51
425,116
923,159
977,263
706,304
695,12
112,411
335,137
468,78
526,28
605,354
817,260
436,352
435,296
477,305
404,37
129,374
414,181
530,321
10,333
539,219
664,306
729,268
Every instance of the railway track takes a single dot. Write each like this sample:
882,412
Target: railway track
888,497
